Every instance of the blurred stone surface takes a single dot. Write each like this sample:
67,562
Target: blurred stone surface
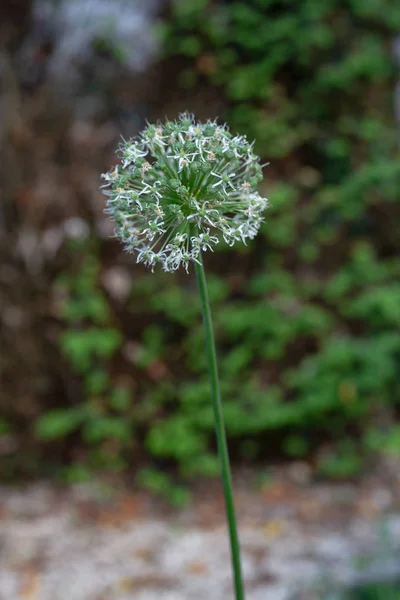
82,543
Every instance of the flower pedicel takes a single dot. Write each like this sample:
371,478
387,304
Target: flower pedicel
178,187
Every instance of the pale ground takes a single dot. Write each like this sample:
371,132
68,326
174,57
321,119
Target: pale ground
82,544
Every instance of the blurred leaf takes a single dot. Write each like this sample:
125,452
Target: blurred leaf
59,423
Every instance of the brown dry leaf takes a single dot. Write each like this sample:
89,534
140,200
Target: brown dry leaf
206,64
21,133
258,553
368,508
278,491
196,567
3,512
128,508
29,587
157,369
311,509
210,511
137,582
274,528
147,554
25,197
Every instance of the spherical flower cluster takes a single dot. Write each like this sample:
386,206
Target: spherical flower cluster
178,186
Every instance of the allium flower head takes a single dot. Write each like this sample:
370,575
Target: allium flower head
181,185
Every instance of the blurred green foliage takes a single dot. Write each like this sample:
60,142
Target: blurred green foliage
307,318
101,414
377,591
368,591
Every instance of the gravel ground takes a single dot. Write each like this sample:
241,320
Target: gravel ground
67,544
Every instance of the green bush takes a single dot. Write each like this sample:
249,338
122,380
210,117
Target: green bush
308,328
307,318
102,414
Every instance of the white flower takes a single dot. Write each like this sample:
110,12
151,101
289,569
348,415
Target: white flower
184,159
180,184
152,189
223,179
131,154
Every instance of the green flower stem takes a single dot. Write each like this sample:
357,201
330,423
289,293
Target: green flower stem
220,430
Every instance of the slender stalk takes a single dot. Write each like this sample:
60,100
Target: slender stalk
220,430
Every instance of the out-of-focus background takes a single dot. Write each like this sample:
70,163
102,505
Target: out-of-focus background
102,369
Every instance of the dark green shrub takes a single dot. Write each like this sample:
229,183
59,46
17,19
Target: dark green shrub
307,318
308,327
